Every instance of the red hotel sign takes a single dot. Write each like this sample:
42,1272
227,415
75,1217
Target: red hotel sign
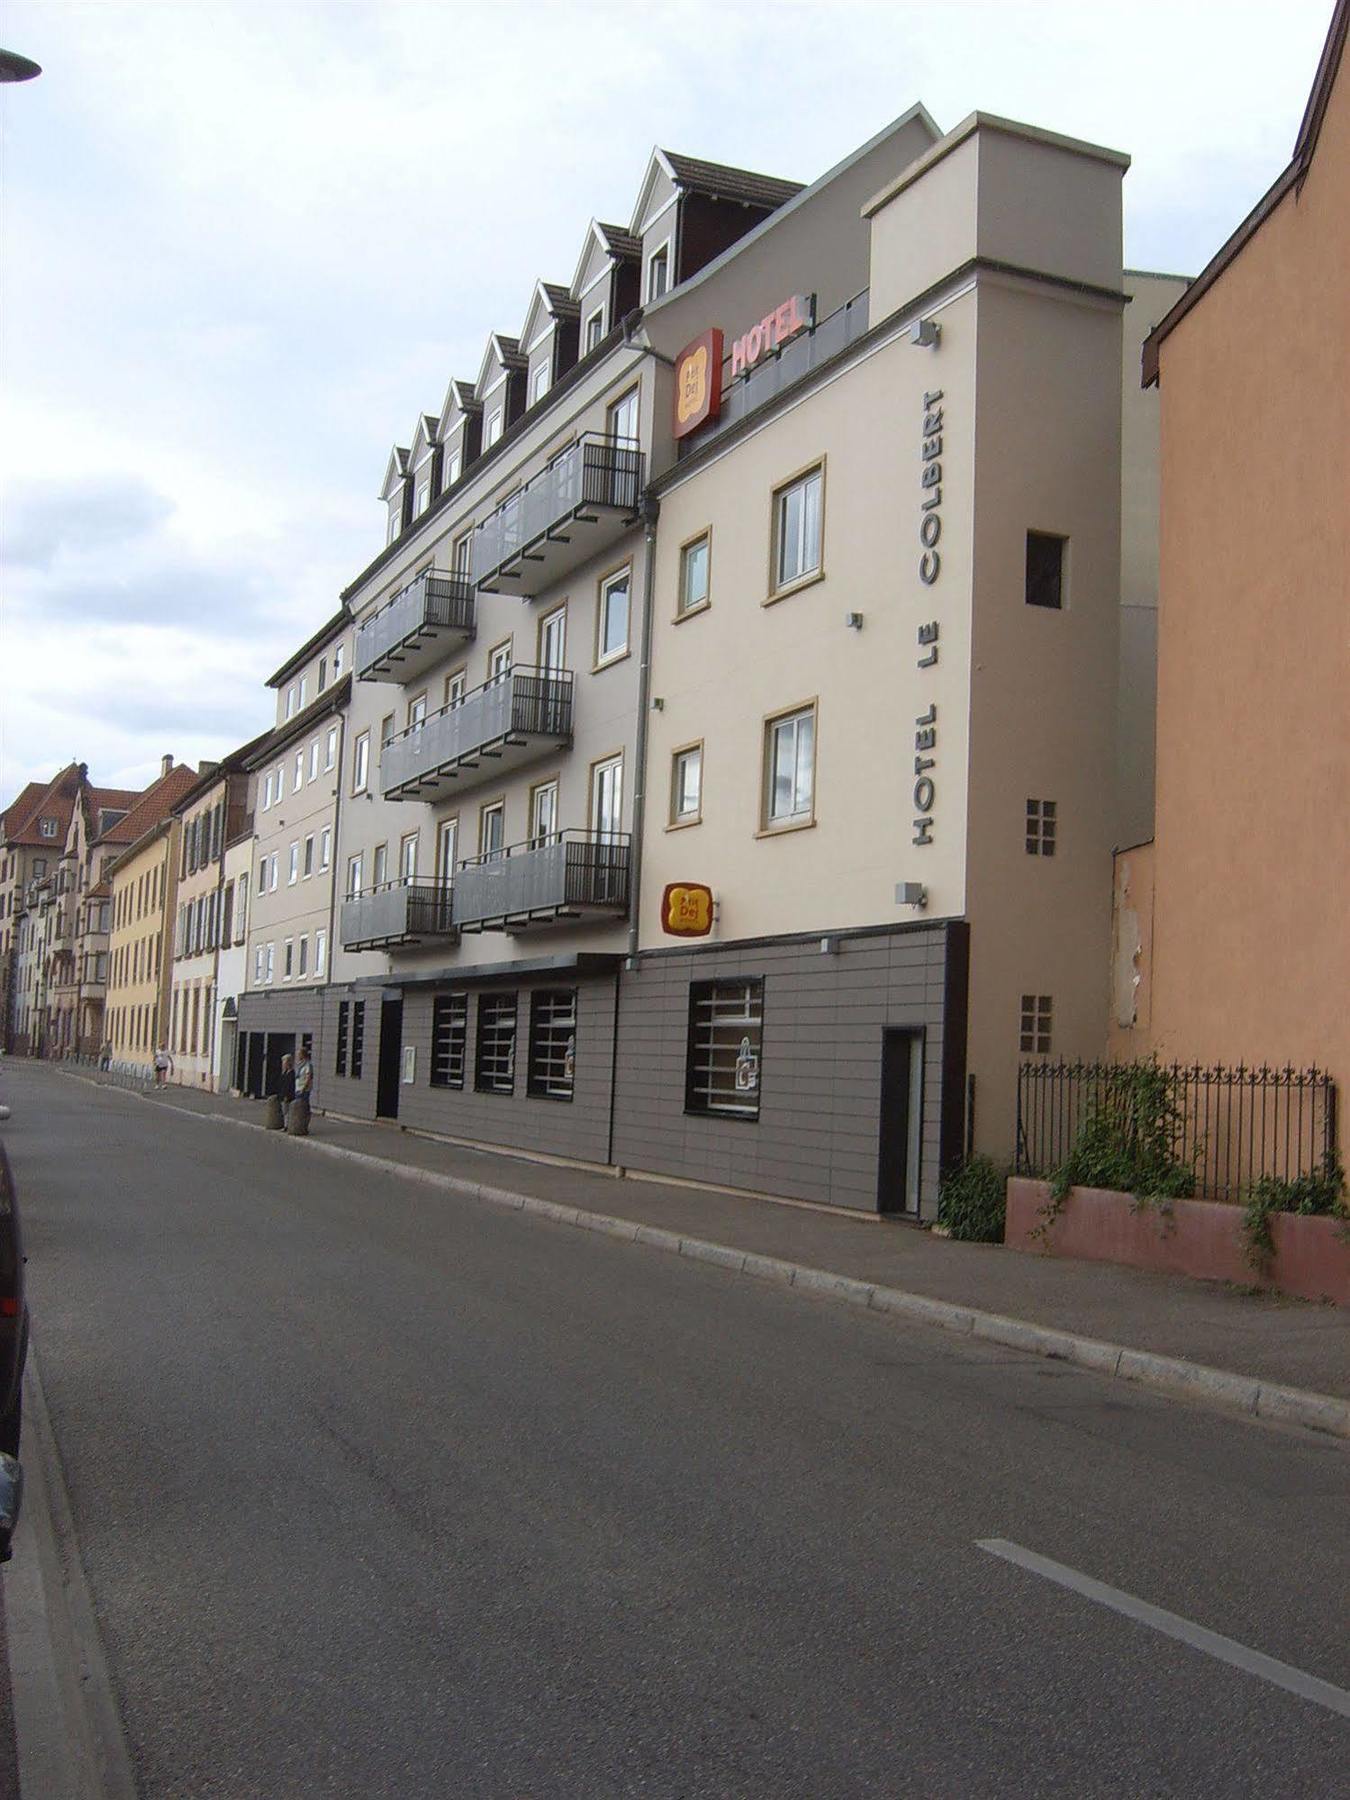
773,331
698,382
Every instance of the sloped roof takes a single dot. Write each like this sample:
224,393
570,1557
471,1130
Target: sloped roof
1305,146
618,240
55,801
153,806
728,183
20,807
559,297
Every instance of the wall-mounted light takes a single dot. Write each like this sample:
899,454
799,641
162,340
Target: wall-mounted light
911,893
829,946
854,621
924,334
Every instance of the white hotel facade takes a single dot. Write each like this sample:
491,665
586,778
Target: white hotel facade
846,652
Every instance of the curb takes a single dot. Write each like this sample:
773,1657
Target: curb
1246,1395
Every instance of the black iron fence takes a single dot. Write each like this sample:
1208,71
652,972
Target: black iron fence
1231,1125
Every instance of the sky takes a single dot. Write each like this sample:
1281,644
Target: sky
242,246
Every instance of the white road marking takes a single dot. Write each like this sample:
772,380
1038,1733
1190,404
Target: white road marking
1252,1662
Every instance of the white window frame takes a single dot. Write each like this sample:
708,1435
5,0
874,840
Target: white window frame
591,339
540,381
287,959
307,864
361,763
492,430
660,255
314,760
679,760
810,484
330,748
325,846
293,865
604,656
407,856
683,604
355,874
779,723
299,779
320,952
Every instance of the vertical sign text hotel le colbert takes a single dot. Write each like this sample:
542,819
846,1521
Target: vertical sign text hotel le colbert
930,567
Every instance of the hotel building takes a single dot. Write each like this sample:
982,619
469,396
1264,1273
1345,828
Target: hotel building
767,586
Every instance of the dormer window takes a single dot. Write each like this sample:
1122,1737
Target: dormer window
423,496
493,429
539,383
452,468
658,272
394,522
47,828
595,329
290,701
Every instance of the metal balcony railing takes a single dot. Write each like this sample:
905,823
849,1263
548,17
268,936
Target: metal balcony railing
397,912
399,640
567,875
568,512
516,716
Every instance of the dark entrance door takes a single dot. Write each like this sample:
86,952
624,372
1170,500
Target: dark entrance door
252,1080
279,1044
901,1121
391,1059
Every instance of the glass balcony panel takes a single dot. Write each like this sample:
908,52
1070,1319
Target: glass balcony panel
397,913
574,873
570,511
402,639
519,716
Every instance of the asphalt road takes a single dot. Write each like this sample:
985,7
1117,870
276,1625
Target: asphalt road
380,1493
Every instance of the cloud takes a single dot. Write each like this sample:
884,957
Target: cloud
181,590
85,513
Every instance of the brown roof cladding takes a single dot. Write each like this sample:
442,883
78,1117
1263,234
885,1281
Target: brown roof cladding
731,184
153,806
619,241
55,801
1304,147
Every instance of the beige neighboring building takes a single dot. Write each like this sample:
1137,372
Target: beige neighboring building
143,885
213,815
1232,936
294,773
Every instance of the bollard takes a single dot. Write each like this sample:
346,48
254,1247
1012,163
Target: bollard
297,1119
272,1119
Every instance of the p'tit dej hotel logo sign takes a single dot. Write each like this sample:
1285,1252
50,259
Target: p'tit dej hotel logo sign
698,367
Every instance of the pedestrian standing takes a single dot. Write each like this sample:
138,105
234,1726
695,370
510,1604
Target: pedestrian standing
163,1065
105,1056
286,1085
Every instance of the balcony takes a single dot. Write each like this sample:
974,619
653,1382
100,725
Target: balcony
575,875
405,638
577,507
523,714
397,914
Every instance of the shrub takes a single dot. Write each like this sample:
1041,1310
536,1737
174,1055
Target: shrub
973,1201
1131,1139
1317,1195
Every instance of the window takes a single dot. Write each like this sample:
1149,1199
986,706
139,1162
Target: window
267,792
262,875
379,866
417,713
453,464
394,521
259,965
454,688
423,496
386,729
494,1069
358,1038
789,768
595,330
288,959
280,782
449,1039
553,1043
314,760
302,964
343,1037
320,952
796,529
686,786
621,418
658,272
1034,1027
407,857
492,829
293,874
47,828
543,813
330,747
612,618
323,673
607,799
325,846
447,848
553,642
1041,822
353,877
493,429
339,656
290,701
272,873
726,1029
270,970
1045,569
304,692
694,559
308,864
463,551
539,383
361,763
499,663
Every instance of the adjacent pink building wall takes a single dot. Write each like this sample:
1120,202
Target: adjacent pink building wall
1251,932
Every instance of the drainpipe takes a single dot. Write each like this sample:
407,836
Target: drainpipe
650,508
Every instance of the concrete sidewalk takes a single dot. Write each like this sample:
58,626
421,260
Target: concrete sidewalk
1289,1343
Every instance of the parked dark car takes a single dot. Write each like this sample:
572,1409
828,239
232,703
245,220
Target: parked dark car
13,1351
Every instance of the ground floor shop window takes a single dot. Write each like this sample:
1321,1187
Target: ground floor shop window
495,1055
449,1039
726,1029
553,1043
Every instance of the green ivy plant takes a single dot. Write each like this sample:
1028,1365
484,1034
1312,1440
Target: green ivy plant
973,1201
1319,1195
1131,1138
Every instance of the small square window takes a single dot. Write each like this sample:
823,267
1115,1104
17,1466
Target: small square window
1041,824
1034,1031
694,558
1045,569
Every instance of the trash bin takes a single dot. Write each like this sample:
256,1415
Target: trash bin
297,1119
272,1119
